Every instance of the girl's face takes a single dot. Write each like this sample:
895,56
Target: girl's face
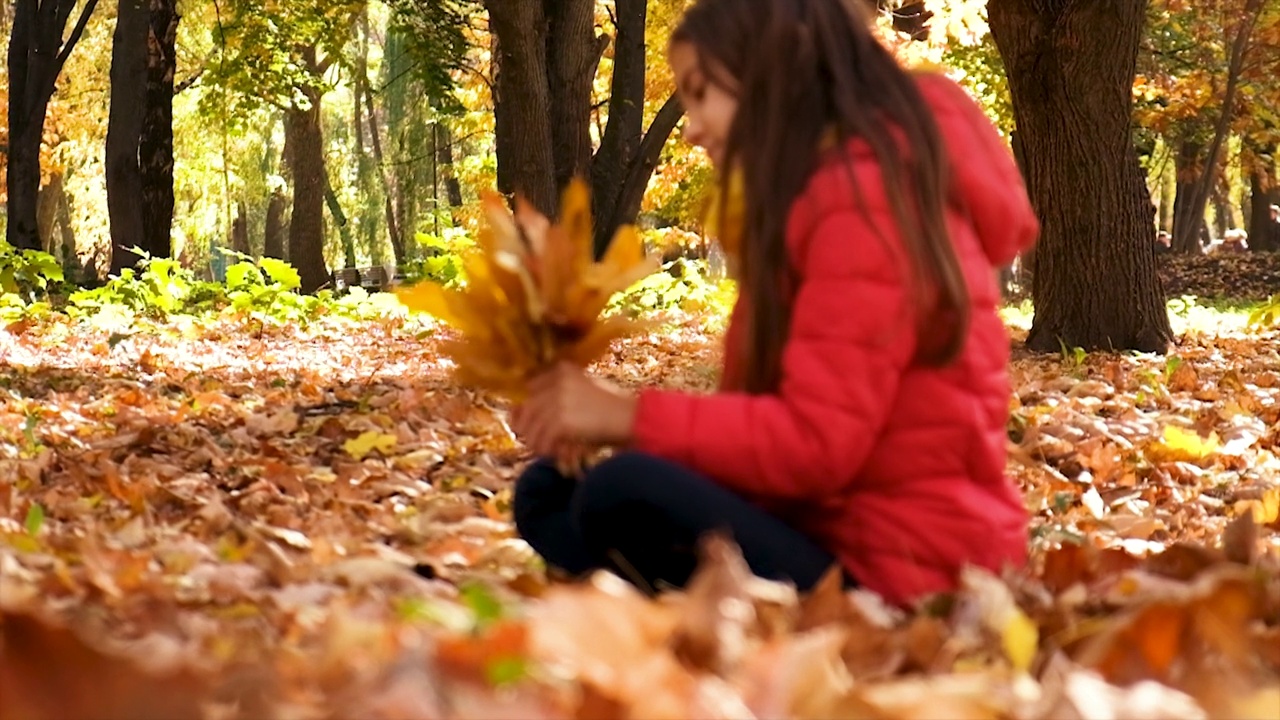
709,107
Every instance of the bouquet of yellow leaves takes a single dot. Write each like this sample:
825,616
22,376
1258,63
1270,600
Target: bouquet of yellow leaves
533,294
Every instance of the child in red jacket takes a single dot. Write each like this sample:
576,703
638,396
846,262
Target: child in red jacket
861,418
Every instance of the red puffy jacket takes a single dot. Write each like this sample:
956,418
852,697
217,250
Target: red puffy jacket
896,468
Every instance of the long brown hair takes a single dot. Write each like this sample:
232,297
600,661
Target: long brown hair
800,68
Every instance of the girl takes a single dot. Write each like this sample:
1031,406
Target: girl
861,418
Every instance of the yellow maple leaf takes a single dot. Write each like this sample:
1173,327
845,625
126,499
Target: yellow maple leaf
1179,444
534,294
360,446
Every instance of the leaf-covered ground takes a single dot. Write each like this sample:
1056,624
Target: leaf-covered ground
1221,275
299,524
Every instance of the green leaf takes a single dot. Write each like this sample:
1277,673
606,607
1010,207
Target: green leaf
481,602
35,519
282,272
243,274
506,670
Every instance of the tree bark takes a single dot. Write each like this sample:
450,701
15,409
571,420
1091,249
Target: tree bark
155,151
1264,233
305,144
274,232
625,129
124,131
36,56
573,54
47,202
522,103
240,229
1095,283
1188,228
631,194
340,219
444,159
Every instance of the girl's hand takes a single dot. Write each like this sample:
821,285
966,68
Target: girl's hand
566,407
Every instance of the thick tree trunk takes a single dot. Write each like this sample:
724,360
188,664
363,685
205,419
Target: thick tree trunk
1188,229
36,55
155,151
305,145
124,131
1264,233
1095,283
572,56
522,103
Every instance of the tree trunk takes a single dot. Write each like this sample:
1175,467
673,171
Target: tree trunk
1189,230
47,202
240,229
573,53
1235,64
636,181
1095,283
1264,233
340,219
522,103
625,129
305,144
37,53
274,231
444,159
1223,219
124,131
67,251
155,151
375,141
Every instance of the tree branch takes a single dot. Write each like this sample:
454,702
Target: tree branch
74,38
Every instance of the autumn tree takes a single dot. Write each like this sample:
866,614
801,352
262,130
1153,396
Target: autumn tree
38,49
548,53
280,53
155,144
124,130
1070,67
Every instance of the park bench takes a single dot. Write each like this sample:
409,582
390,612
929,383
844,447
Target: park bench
372,279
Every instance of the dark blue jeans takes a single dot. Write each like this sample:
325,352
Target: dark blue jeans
641,517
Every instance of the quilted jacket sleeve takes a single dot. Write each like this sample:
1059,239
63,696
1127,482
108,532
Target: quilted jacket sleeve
852,336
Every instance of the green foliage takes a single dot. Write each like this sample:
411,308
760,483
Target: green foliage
276,52
984,77
439,258
686,204
432,32
1267,315
682,284
159,287
265,291
26,272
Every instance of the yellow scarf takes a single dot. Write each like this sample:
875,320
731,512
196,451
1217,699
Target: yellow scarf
727,230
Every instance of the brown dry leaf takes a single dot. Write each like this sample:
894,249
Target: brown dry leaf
40,663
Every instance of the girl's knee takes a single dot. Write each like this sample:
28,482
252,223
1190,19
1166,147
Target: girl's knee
539,489
622,478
